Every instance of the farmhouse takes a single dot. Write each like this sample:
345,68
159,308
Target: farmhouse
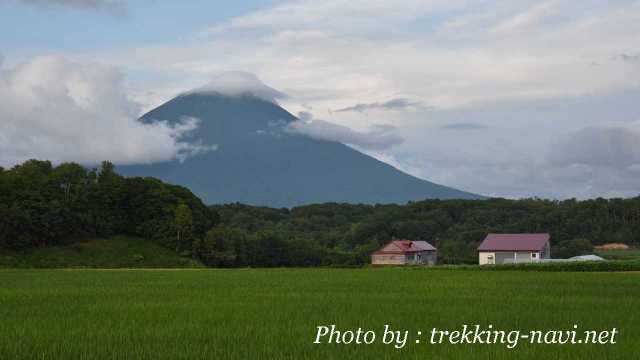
405,252
514,248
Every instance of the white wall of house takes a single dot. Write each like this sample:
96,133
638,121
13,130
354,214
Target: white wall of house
508,257
386,259
425,257
486,258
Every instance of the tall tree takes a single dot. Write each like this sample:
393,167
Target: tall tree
183,221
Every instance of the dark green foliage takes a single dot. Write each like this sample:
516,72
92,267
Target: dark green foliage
42,205
570,248
183,223
590,266
116,252
346,234
633,254
453,251
222,246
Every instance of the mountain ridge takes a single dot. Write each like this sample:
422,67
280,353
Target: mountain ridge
259,162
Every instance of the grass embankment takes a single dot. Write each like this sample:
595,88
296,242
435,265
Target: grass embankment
272,314
116,252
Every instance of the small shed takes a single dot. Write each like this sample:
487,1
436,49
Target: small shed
514,248
405,252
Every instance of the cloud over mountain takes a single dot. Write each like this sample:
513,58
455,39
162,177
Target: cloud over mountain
393,104
379,137
527,70
52,108
238,83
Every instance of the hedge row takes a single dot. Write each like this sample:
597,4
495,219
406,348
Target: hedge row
615,265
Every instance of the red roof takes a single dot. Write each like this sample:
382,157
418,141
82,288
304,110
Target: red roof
406,246
514,242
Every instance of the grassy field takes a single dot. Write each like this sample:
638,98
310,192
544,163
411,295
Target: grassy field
116,252
250,314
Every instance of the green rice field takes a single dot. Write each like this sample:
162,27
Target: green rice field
273,314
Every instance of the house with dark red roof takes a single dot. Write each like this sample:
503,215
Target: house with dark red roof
405,252
514,248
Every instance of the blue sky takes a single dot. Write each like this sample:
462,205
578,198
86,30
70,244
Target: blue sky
140,22
510,98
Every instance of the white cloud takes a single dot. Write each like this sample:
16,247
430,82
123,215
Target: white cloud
528,18
55,109
379,137
340,52
506,65
238,83
590,162
393,104
339,15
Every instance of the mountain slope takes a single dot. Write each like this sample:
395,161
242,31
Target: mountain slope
258,162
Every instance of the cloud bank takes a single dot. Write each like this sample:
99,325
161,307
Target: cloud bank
55,109
590,162
607,147
379,137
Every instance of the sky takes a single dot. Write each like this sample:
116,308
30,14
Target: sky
509,98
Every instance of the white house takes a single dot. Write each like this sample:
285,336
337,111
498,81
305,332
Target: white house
514,248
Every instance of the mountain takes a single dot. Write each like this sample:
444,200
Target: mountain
259,162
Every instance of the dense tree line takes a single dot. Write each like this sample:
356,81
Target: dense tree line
329,234
42,205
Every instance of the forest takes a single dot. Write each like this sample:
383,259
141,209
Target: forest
44,205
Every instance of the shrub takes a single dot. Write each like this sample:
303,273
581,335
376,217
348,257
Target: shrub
570,248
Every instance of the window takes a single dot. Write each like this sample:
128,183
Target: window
534,255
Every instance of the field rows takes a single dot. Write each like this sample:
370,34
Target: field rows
216,314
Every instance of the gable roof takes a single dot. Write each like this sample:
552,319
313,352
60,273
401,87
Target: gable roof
514,242
404,247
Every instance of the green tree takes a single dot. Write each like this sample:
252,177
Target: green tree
570,248
222,246
183,221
